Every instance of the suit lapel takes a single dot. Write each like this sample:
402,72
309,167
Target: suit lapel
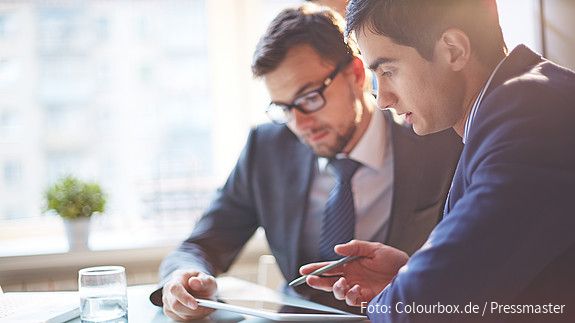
298,183
455,189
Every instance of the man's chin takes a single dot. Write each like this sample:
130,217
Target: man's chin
420,131
323,151
327,147
423,131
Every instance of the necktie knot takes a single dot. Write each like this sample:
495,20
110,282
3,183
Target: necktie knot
344,168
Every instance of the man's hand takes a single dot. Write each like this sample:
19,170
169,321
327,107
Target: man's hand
362,279
178,295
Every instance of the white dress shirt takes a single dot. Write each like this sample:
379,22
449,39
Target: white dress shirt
372,187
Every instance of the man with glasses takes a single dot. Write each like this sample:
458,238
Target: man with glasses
330,169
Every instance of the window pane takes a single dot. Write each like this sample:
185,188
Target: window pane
151,99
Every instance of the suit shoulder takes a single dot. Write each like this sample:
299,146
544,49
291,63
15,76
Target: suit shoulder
541,99
528,118
546,85
271,133
271,141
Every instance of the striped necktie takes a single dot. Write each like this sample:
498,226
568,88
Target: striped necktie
338,224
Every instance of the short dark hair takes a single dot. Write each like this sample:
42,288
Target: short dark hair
420,23
309,24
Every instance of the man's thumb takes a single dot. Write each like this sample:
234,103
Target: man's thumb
356,248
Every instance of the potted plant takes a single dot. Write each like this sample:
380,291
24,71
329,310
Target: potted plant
75,201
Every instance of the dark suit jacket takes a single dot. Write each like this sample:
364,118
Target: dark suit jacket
509,234
269,188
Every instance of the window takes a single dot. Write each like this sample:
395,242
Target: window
7,25
9,72
8,124
520,23
151,99
12,173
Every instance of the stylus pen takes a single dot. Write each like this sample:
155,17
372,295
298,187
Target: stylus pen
344,260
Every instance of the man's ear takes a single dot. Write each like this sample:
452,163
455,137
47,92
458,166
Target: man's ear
356,69
454,48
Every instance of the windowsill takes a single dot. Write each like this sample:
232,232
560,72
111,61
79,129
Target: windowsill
139,256
35,253
47,236
22,266
99,241
88,257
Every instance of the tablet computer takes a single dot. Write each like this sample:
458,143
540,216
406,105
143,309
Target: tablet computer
278,311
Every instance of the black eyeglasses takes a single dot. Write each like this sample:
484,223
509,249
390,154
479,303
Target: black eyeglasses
312,101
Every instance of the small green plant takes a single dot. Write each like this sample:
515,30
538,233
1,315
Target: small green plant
72,198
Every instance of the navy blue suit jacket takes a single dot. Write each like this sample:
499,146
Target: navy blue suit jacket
509,234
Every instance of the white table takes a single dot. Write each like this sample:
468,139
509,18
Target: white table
140,310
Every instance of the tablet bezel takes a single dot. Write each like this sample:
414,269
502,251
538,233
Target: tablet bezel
279,316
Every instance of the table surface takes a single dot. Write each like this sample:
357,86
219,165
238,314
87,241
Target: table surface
141,310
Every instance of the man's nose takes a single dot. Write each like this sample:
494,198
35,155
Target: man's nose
301,120
385,98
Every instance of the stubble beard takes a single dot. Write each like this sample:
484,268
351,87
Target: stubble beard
328,150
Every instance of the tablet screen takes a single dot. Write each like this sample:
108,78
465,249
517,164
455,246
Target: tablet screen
274,307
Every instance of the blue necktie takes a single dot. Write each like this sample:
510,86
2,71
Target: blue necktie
338,224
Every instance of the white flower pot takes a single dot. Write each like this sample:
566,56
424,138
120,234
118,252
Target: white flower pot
78,232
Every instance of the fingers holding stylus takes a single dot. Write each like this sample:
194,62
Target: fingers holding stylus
310,268
322,283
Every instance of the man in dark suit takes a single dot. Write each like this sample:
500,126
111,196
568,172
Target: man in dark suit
284,180
506,242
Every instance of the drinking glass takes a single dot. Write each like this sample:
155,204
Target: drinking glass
103,294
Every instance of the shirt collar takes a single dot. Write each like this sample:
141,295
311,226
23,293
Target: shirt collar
477,102
371,148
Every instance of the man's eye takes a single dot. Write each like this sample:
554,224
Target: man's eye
309,99
312,98
386,73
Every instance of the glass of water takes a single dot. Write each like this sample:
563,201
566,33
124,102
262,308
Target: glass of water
103,294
